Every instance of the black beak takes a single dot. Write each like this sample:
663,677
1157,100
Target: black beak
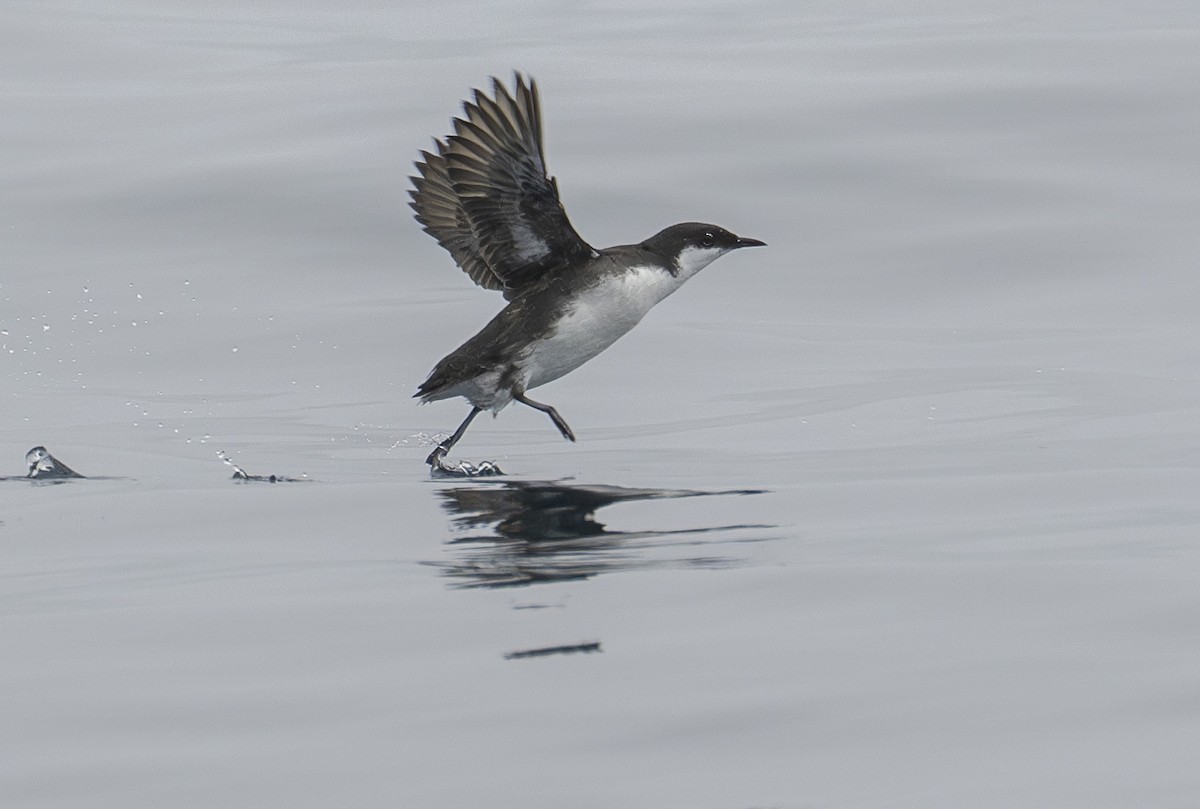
744,242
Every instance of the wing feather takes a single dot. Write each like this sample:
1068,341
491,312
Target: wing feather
486,197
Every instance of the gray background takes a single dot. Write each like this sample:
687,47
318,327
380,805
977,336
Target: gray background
964,371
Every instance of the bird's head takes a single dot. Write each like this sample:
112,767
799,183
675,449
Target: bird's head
692,246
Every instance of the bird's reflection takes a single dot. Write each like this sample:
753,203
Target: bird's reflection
526,532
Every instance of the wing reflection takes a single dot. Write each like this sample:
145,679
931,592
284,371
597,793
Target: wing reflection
527,532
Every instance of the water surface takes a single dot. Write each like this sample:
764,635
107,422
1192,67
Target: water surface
900,511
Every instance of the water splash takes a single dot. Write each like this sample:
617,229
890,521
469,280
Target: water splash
44,466
241,475
464,469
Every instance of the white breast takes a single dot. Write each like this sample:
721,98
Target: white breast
598,317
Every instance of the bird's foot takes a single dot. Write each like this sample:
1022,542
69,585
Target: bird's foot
439,467
437,456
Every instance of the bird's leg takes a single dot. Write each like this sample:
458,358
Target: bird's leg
562,426
435,457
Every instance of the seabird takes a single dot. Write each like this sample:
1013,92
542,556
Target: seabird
484,194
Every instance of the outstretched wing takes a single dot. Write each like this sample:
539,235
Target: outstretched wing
486,197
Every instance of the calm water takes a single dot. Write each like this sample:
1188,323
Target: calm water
898,512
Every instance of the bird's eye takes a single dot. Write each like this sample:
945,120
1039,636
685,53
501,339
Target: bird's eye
708,240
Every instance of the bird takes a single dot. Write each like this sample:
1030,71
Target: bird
484,193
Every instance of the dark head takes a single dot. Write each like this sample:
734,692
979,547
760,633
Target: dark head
692,246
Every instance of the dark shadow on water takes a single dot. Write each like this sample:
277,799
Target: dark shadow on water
529,532
547,651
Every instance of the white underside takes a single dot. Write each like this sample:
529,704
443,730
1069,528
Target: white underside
598,317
